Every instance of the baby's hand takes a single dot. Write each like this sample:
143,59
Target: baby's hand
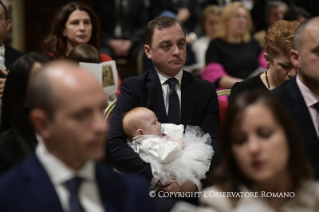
181,143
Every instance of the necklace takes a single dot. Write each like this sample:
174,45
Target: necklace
267,79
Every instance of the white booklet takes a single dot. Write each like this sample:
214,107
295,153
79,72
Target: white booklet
105,73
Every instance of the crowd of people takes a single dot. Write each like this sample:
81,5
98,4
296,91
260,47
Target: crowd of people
163,148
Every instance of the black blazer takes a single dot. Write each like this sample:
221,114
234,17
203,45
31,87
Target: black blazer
10,56
290,95
28,188
199,107
13,150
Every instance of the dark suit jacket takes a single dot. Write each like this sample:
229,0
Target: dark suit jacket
10,56
290,95
13,149
27,188
199,107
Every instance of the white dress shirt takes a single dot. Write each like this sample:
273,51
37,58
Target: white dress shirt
165,87
310,99
60,173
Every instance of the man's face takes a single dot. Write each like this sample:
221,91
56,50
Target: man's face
168,50
77,131
307,58
4,25
276,14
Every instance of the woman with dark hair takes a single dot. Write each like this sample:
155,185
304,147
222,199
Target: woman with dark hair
262,152
74,24
278,43
18,139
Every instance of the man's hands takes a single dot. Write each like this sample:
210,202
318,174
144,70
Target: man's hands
172,186
3,82
120,47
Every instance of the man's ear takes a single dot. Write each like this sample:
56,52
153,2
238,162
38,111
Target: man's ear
139,132
148,51
294,57
8,27
41,123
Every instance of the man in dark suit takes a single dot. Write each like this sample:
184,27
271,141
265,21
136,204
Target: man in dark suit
8,55
122,27
191,101
301,94
66,110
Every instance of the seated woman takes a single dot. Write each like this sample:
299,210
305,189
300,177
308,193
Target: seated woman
18,139
262,153
278,43
74,24
233,55
209,24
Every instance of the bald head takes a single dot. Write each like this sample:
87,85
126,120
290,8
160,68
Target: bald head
55,82
299,37
132,121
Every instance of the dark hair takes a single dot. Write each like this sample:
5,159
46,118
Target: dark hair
14,111
6,15
85,53
228,175
56,43
296,12
158,23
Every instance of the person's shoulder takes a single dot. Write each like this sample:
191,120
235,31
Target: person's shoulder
213,197
105,57
282,89
14,51
199,82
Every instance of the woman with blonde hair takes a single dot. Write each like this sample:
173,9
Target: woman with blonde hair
209,24
233,55
278,43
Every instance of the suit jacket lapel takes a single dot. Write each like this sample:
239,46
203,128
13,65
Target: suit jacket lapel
302,115
187,99
111,194
156,96
40,186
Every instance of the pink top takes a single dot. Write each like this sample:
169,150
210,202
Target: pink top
310,99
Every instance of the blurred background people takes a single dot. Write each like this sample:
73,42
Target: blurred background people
74,24
18,138
279,42
275,10
297,14
209,23
233,55
262,152
122,27
86,53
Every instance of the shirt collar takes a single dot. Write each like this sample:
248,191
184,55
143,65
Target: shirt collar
309,97
163,77
2,50
59,172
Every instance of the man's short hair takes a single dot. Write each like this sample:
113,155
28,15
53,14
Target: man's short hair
274,4
6,15
41,94
298,36
158,23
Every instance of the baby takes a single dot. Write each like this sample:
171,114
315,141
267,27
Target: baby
171,154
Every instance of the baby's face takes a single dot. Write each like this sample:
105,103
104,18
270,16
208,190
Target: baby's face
150,125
